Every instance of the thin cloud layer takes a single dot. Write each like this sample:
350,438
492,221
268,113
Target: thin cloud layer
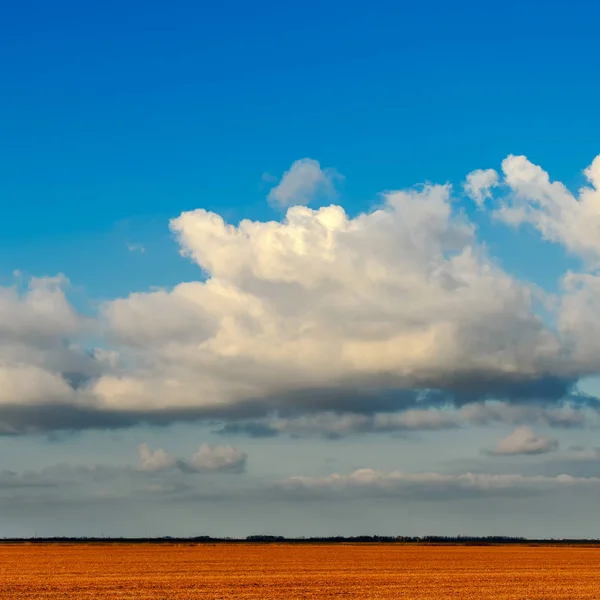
430,486
323,321
335,425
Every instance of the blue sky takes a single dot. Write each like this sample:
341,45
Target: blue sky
113,116
116,120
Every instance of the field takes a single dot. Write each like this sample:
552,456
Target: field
243,571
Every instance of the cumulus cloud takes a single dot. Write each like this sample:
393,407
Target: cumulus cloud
207,458
155,460
523,440
304,181
479,184
42,360
560,216
579,318
320,320
335,313
218,458
430,486
572,220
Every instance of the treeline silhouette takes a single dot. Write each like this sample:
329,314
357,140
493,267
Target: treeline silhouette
277,539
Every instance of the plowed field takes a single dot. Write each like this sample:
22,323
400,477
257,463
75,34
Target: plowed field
243,571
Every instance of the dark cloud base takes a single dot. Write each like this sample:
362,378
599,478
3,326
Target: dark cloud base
243,418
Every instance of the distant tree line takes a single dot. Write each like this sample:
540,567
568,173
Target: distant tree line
277,539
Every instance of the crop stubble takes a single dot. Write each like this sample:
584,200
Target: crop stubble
244,571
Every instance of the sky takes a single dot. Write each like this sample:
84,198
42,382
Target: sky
321,269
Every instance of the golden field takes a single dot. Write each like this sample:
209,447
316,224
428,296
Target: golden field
232,571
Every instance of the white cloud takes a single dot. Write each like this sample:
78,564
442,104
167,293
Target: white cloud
579,318
524,441
320,320
304,180
479,184
371,482
155,460
41,360
559,215
572,220
41,314
218,458
30,384
402,296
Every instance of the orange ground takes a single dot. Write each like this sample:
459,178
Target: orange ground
279,571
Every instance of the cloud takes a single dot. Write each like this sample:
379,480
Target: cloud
72,484
136,248
63,478
218,458
560,216
430,486
158,473
75,485
576,460
524,441
157,460
303,182
579,318
479,184
572,220
320,321
207,458
582,454
335,425
490,413
11,480
268,178
326,312
42,359
253,429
